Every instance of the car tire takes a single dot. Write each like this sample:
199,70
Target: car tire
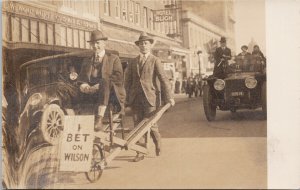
52,123
209,107
264,98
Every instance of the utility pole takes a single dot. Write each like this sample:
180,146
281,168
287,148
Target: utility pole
198,53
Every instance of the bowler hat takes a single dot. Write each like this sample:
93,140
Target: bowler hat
97,35
144,37
244,47
223,40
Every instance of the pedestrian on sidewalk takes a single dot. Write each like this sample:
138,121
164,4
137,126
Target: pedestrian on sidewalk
143,88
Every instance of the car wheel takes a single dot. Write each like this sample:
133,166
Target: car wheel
209,107
264,98
52,123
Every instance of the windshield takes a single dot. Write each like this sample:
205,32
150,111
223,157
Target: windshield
248,63
48,72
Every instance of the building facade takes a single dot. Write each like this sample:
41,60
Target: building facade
203,23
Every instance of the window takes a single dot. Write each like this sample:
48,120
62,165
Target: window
106,7
124,10
151,23
145,18
131,9
118,8
137,14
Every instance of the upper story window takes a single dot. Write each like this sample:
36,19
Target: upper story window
124,10
106,7
145,18
130,10
118,8
69,4
137,13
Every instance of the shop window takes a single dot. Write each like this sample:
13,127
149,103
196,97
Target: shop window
87,38
76,38
63,36
50,34
25,30
81,39
33,31
69,37
15,29
42,33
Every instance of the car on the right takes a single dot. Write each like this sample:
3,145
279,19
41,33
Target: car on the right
244,87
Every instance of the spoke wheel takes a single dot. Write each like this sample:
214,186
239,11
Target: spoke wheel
96,171
52,123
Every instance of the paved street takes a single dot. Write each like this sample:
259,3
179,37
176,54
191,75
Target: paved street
230,152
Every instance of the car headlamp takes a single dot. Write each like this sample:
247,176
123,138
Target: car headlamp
35,99
219,84
250,82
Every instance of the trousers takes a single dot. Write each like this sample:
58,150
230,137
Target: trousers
142,109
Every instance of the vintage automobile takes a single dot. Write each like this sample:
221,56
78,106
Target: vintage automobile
244,87
40,122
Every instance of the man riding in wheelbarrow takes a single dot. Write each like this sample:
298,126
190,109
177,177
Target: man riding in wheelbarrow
99,83
101,78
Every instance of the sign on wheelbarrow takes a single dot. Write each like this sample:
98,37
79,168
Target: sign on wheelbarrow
77,143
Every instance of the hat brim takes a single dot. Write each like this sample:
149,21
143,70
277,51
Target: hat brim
223,41
150,40
105,38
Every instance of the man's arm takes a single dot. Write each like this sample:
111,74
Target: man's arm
165,85
128,77
117,76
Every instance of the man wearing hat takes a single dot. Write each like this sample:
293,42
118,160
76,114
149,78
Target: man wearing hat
101,78
243,58
144,82
222,55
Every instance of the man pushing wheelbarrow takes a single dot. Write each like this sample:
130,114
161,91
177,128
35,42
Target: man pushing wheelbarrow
145,82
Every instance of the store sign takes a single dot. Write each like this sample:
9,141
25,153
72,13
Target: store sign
166,15
77,143
25,10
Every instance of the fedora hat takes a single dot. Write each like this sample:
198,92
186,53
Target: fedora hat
144,37
244,47
97,35
223,39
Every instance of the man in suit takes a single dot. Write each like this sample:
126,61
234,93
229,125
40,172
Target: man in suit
101,78
222,55
145,81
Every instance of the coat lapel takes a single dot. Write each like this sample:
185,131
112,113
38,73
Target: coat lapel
148,61
105,64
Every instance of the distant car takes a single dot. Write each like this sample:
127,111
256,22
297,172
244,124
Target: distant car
244,87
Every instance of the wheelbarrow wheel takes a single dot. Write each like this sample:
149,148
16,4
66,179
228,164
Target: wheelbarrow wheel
96,170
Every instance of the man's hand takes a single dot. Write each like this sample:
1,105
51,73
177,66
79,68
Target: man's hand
172,102
85,88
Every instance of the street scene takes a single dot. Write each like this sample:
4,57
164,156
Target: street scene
134,94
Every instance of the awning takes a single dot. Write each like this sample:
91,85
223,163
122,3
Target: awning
125,49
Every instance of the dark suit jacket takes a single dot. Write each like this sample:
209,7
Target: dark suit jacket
112,73
219,52
152,79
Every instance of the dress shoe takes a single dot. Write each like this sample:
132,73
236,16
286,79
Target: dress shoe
138,158
158,151
98,123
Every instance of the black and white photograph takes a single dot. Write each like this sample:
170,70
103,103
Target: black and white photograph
134,94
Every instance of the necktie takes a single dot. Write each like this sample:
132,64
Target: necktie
142,62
